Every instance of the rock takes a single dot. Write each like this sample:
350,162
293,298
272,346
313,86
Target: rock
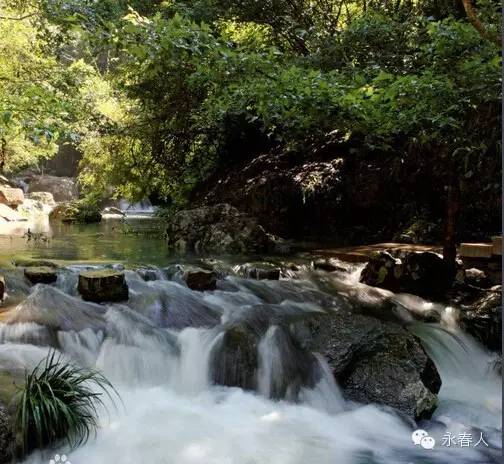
4,182
259,271
2,287
103,285
382,270
32,207
234,361
477,277
10,215
46,198
75,212
328,264
24,262
113,211
11,196
6,436
200,280
149,275
419,273
41,275
216,229
425,274
377,362
62,188
483,319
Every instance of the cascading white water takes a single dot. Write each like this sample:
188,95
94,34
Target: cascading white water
171,412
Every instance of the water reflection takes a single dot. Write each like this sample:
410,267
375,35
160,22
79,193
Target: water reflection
130,240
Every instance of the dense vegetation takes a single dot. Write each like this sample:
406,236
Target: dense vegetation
159,95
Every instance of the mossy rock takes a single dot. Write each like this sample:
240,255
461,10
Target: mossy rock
28,262
76,212
103,285
41,275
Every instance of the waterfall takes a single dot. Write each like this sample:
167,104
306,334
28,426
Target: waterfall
163,349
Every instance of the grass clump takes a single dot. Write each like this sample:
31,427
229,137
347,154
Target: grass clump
57,402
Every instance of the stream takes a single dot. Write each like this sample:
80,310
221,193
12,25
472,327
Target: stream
170,410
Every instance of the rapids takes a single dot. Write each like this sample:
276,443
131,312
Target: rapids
170,412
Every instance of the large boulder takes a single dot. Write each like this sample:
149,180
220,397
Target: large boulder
234,360
200,280
216,229
103,285
382,270
377,362
483,318
11,196
41,274
62,188
419,273
6,436
46,198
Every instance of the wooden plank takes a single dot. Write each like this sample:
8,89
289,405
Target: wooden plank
476,250
497,245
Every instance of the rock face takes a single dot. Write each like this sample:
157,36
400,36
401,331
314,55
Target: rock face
6,436
420,273
46,198
200,280
376,362
11,196
103,285
216,229
41,274
483,319
62,188
2,287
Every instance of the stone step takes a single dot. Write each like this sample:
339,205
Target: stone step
476,250
497,245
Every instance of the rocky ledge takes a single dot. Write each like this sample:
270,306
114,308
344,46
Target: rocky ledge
219,228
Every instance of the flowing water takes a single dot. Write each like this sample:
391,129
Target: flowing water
162,364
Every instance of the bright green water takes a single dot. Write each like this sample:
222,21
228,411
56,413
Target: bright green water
138,240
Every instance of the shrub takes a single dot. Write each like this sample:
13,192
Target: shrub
59,401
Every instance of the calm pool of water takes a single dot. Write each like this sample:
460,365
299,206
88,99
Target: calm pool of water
136,239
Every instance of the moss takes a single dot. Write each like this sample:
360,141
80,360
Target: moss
27,262
100,273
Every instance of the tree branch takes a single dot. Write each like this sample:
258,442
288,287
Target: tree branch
20,18
472,16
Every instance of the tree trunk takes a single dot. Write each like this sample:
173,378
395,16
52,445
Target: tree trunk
472,16
450,227
3,154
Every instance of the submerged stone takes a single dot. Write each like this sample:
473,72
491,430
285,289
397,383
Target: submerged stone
41,275
103,285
